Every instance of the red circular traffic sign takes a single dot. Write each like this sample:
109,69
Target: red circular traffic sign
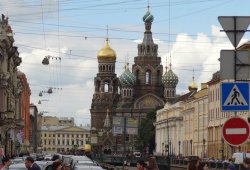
235,131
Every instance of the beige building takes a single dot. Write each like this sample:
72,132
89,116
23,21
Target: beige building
169,129
63,138
57,121
182,124
200,103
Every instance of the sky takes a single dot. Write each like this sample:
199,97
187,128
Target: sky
73,31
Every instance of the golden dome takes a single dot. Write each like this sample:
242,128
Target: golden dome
192,86
106,53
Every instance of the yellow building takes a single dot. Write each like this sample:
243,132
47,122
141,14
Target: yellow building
200,104
64,138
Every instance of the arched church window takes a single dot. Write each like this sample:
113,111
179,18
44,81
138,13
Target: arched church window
148,77
173,93
98,84
158,77
137,76
148,48
167,93
106,87
109,67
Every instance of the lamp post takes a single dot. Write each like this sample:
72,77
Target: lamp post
222,148
191,145
162,149
204,142
179,148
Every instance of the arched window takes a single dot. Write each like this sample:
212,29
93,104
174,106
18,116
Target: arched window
98,84
137,76
106,87
158,76
148,77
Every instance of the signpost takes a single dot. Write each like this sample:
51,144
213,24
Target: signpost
235,131
234,96
234,27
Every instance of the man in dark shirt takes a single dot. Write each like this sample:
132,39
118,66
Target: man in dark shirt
30,164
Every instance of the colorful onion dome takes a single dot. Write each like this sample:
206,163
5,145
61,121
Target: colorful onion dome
170,79
148,17
106,53
127,78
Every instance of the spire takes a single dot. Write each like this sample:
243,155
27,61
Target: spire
192,86
126,65
107,120
107,38
170,64
148,5
166,64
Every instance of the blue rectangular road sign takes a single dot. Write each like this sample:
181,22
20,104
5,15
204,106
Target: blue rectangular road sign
234,96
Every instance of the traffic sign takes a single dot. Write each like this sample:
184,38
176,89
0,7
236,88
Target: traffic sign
228,66
235,27
234,96
235,131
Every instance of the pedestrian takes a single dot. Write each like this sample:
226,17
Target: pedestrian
152,165
202,166
30,164
56,165
6,162
194,164
231,165
140,164
246,164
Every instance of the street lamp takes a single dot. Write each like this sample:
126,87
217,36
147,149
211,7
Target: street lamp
49,91
40,101
179,148
191,145
47,58
222,148
162,148
204,142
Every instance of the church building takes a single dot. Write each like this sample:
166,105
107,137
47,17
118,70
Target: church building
120,102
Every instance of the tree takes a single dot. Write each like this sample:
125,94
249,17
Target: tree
146,132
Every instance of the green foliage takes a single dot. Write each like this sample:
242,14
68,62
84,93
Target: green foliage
146,133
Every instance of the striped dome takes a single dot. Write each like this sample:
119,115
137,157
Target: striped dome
127,78
148,17
170,79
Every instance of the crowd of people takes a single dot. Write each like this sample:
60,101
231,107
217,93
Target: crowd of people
196,164
31,165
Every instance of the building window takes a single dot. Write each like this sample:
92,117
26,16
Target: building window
45,134
158,76
148,77
106,87
54,135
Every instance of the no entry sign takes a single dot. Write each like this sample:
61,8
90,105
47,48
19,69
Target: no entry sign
235,131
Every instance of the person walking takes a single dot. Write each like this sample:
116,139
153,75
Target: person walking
56,165
140,164
194,164
152,165
30,164
6,162
231,165
246,164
